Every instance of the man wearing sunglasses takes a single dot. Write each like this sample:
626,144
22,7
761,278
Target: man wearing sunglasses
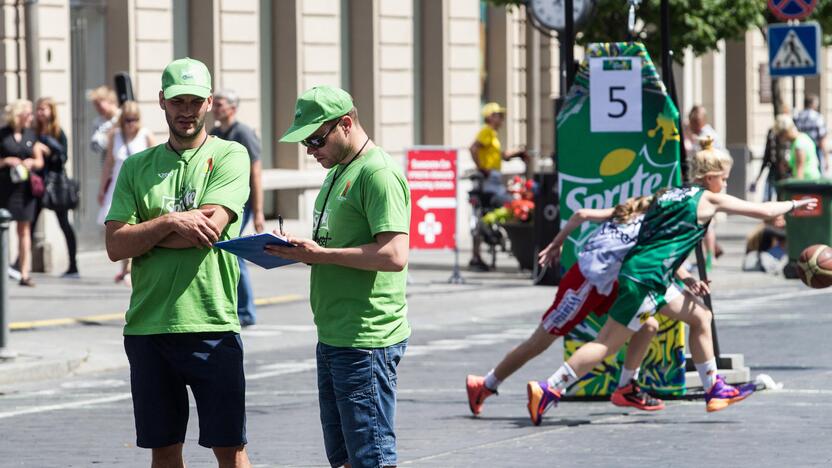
359,256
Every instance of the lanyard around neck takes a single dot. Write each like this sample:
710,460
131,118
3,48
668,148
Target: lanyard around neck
181,195
332,184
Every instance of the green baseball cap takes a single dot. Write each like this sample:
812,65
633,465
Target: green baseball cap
314,107
186,76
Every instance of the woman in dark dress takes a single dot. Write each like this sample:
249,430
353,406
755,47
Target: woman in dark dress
54,147
18,156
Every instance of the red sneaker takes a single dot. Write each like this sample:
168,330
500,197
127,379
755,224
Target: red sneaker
477,393
633,395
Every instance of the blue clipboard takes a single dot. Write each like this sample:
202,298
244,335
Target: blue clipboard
251,248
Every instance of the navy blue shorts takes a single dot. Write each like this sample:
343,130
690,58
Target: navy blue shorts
211,364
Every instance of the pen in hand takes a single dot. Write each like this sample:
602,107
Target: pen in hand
280,225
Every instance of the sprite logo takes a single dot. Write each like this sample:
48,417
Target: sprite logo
583,192
595,192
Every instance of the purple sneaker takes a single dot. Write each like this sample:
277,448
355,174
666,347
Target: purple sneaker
722,395
541,395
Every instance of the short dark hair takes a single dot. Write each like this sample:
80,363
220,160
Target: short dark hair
811,101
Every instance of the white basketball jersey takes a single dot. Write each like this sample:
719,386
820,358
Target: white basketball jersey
601,255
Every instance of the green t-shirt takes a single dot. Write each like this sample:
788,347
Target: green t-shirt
358,308
669,231
183,290
811,165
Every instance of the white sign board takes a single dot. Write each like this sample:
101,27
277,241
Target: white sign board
615,94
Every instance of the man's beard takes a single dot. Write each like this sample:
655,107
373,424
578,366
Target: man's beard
189,136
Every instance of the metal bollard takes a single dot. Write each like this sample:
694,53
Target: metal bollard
5,219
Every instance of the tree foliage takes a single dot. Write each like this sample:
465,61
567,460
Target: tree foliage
695,24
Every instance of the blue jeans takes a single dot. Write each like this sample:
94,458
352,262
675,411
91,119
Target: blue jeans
246,311
357,398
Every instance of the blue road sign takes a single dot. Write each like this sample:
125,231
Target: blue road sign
793,49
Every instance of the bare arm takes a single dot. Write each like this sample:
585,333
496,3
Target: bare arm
106,171
124,240
550,254
714,202
698,287
217,214
36,161
389,252
257,196
9,161
475,149
518,153
799,163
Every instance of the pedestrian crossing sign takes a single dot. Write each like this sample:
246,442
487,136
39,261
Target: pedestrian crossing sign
793,49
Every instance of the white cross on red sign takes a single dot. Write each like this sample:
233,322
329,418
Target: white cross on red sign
431,174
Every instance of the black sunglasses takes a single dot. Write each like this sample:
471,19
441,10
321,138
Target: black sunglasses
319,142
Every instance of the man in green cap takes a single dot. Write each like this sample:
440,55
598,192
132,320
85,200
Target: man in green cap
358,254
171,203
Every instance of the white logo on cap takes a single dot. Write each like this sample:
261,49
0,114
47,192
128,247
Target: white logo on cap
187,75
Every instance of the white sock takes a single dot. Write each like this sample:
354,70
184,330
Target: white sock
626,376
562,377
492,382
707,372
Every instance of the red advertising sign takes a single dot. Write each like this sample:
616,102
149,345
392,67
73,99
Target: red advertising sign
787,10
805,212
431,174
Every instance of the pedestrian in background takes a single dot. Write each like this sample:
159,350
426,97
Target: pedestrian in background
774,163
801,155
106,104
170,204
53,144
358,252
697,129
19,158
129,137
226,103
811,122
488,155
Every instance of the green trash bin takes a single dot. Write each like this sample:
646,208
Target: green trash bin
805,227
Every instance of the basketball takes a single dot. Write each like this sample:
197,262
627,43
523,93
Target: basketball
815,266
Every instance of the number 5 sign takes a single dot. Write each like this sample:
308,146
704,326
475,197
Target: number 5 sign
615,94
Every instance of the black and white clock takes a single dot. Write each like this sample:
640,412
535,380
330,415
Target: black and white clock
549,14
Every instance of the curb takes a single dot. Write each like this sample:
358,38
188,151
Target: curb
31,368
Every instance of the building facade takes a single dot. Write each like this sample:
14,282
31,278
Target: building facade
419,71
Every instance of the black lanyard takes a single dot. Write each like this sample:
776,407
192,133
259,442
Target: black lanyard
185,171
332,184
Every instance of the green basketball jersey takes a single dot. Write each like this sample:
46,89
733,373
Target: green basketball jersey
668,233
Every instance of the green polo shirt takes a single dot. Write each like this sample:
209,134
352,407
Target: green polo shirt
183,290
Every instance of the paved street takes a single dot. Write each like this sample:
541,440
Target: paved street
84,418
